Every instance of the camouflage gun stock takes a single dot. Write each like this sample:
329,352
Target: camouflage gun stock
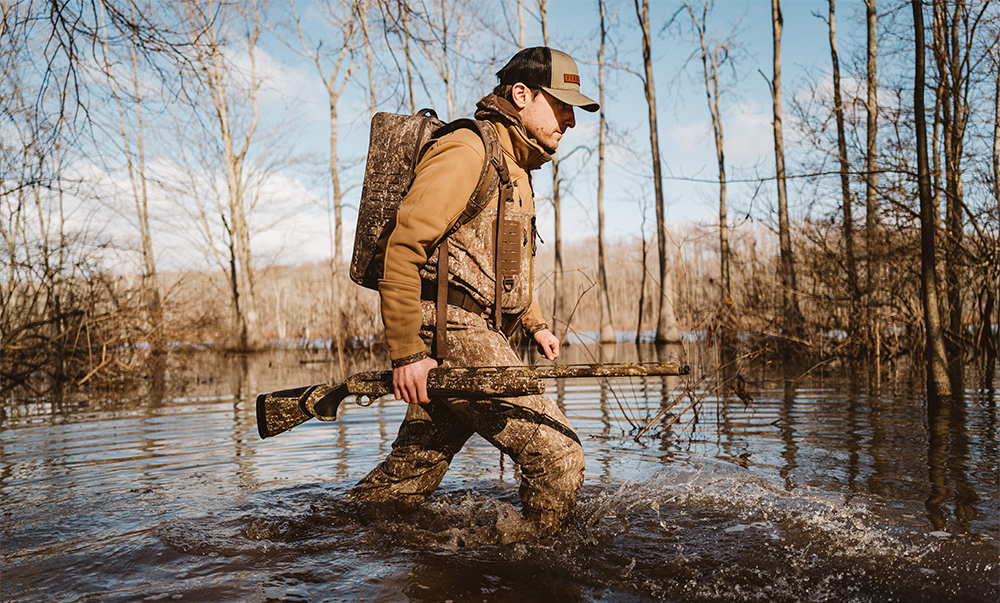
280,411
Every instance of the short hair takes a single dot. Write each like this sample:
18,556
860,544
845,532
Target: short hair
529,65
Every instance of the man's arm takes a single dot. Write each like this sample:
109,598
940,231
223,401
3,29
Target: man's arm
443,182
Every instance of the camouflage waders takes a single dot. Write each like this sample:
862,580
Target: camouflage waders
530,429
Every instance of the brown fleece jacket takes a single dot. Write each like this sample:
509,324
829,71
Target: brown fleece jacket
444,180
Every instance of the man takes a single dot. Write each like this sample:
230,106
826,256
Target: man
530,110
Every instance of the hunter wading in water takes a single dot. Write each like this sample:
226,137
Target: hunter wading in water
530,110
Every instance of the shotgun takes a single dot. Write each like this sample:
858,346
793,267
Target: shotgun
280,411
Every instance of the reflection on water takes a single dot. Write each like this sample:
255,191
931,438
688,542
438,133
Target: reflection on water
815,488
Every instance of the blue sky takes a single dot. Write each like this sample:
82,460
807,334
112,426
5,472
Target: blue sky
684,124
294,226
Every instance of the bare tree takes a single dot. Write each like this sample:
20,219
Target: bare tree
666,329
792,319
871,148
343,18
362,8
989,343
62,316
404,33
935,358
872,236
136,167
955,29
520,23
996,131
443,29
711,60
212,30
845,178
607,329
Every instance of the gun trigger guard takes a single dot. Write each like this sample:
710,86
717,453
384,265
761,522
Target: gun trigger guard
360,401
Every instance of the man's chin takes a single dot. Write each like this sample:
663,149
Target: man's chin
549,148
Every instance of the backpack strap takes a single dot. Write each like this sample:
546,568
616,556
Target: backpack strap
493,174
488,178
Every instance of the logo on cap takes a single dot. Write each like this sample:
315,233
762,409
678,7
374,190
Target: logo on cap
571,78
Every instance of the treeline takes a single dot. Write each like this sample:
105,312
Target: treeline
138,131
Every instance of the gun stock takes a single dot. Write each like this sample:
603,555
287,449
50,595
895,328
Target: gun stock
280,411
277,412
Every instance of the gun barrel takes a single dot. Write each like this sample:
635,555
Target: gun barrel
626,369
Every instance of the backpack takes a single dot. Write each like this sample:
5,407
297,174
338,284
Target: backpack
394,148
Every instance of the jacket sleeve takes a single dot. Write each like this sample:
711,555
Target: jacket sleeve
444,180
532,319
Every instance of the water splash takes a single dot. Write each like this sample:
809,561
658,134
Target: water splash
742,502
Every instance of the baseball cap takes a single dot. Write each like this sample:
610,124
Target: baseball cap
551,70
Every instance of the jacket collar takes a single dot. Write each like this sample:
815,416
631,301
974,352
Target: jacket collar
513,137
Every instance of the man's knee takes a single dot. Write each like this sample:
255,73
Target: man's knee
551,473
408,474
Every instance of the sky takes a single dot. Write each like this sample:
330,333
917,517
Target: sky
295,226
686,142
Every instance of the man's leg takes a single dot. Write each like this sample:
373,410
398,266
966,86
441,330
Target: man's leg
536,435
530,429
428,439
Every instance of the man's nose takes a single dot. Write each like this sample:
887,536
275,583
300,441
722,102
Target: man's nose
569,119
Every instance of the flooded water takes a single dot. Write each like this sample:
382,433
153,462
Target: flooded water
825,487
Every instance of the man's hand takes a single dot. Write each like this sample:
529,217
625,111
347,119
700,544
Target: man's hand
409,382
548,344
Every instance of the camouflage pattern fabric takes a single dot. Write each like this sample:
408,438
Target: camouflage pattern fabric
471,260
530,429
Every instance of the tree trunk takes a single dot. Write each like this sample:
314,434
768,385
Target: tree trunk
347,25
441,29
363,10
405,14
642,289
871,150
991,342
710,70
137,179
872,235
212,66
336,262
792,315
607,329
666,327
958,84
151,282
845,181
520,23
938,382
996,136
559,320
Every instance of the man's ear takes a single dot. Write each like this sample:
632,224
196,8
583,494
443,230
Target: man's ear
520,94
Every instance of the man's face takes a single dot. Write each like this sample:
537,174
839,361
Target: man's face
544,117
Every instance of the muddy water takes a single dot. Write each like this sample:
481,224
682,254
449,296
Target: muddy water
828,487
